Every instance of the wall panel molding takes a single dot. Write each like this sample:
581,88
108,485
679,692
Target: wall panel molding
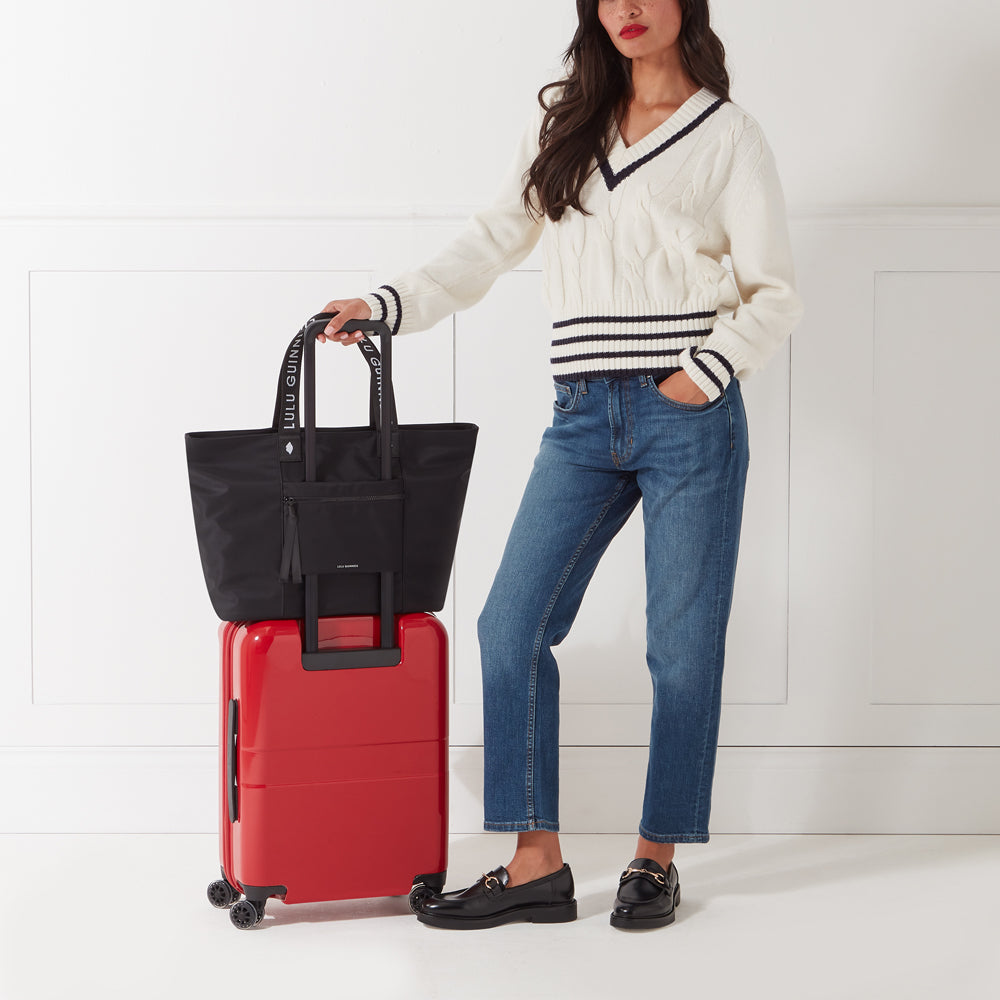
757,790
825,728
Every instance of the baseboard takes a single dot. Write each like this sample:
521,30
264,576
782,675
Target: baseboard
895,790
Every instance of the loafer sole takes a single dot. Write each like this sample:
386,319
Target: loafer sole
554,913
641,923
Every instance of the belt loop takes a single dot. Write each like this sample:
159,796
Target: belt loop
583,386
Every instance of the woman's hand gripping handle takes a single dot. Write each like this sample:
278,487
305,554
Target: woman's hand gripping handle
346,310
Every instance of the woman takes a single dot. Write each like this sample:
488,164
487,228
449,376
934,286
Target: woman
639,175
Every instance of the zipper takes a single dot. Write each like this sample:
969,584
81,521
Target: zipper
294,500
291,560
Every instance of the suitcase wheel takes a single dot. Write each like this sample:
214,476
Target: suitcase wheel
417,895
222,894
424,886
247,913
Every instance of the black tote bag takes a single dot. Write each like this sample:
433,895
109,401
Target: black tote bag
349,508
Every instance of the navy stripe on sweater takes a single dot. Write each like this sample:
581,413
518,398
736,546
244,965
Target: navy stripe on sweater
618,337
618,355
722,361
666,318
399,307
613,180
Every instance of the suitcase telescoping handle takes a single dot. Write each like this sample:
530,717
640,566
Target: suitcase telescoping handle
286,400
382,374
388,652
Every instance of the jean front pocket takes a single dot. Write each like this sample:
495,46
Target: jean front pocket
678,405
567,394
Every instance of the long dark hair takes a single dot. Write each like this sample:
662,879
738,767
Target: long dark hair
595,94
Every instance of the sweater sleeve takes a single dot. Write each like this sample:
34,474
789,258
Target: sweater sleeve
494,240
761,255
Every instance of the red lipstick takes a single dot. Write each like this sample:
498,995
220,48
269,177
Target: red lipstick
632,31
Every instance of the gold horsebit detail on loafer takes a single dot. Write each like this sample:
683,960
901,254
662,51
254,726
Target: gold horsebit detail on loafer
643,871
490,878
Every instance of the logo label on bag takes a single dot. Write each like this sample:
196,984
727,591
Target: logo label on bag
289,448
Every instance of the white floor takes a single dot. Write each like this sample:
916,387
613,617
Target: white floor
797,917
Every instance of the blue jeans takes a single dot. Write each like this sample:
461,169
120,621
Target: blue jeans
612,442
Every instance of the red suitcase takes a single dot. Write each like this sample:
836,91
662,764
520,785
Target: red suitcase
334,782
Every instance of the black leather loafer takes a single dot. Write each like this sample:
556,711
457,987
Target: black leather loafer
491,902
647,896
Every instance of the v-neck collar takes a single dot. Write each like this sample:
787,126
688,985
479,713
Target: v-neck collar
623,160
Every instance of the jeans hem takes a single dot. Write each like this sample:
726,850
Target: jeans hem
522,827
672,838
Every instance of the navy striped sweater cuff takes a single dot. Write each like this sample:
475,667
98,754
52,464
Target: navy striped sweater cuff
386,306
708,369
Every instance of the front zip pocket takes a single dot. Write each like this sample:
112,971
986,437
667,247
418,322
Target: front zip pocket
341,528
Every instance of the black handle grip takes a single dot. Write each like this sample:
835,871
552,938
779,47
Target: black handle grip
362,325
351,659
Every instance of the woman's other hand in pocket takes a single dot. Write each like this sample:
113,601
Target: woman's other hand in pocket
681,387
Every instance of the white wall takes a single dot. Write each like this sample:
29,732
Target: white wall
185,183
227,107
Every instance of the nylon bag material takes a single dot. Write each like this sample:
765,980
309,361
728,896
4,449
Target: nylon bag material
261,527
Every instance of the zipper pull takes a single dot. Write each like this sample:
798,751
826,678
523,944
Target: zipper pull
291,561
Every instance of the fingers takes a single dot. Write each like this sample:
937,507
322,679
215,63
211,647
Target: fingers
346,310
335,324
347,339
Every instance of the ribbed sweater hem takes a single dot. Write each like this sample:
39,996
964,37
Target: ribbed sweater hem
596,342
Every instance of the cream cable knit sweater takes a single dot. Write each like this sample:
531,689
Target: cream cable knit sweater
639,285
